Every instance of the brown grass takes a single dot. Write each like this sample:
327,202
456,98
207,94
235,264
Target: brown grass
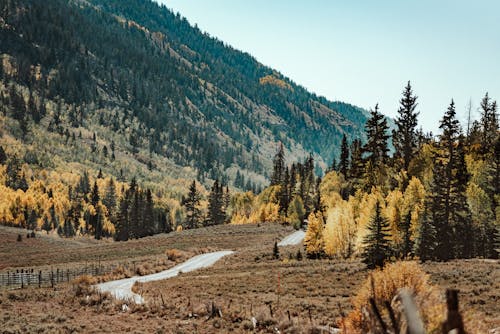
314,292
384,285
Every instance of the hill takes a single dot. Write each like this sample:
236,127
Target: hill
132,81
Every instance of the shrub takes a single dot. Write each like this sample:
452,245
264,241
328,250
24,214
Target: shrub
383,285
173,254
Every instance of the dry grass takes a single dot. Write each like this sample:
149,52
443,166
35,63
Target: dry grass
315,293
384,285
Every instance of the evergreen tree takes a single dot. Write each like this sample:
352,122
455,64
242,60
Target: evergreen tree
96,216
404,137
278,167
149,221
3,156
276,251
191,203
216,215
356,167
489,124
109,199
122,227
426,240
83,186
344,157
376,149
461,215
46,226
440,210
376,243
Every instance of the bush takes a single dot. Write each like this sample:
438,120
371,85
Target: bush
174,254
383,285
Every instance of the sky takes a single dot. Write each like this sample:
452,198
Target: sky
364,52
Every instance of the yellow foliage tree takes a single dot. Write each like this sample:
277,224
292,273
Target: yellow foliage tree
340,231
331,188
313,240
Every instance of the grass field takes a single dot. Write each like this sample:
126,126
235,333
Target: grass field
311,293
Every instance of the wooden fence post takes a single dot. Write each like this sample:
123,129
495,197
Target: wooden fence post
40,279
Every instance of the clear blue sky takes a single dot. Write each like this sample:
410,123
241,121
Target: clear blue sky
364,52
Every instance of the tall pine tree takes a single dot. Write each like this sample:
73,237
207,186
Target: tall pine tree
344,157
404,137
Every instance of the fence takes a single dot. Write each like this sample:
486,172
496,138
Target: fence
22,278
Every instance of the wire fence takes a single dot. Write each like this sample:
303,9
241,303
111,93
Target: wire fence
23,278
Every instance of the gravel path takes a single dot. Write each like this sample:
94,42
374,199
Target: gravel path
122,289
293,239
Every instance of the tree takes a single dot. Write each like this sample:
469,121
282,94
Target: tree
95,216
278,167
489,124
344,157
356,169
295,212
404,137
313,240
3,156
122,226
276,251
109,199
426,240
376,149
216,215
376,243
191,203
149,224
460,213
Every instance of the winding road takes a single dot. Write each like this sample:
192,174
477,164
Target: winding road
293,239
122,289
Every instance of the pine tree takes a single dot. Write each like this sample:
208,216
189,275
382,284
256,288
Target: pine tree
216,215
344,157
356,167
191,203
109,199
276,251
3,156
376,132
149,221
96,217
461,216
404,137
376,243
426,240
489,124
278,167
122,227
376,149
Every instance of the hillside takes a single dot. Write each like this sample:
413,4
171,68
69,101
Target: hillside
140,92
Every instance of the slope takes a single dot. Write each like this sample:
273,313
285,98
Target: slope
159,90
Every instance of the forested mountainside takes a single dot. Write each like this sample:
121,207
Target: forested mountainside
138,79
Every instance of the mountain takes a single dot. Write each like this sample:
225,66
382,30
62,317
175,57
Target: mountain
121,85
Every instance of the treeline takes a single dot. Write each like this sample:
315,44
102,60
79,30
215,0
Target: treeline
72,205
435,197
293,194
218,206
